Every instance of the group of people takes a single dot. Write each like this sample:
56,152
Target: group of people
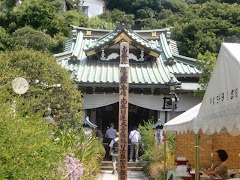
220,170
113,137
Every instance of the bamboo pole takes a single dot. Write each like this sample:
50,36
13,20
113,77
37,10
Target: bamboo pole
196,153
165,152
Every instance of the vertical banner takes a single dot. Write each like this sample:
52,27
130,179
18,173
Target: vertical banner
123,111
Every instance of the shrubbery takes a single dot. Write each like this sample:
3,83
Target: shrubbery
29,148
154,154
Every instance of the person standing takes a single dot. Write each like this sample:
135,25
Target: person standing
135,138
111,133
114,152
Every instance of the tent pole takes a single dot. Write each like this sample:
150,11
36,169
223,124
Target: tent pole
196,153
164,149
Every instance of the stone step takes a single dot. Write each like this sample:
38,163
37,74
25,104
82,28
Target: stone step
109,168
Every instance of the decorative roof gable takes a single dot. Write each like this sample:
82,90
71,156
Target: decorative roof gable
123,31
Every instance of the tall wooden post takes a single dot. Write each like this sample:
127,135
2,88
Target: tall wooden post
123,111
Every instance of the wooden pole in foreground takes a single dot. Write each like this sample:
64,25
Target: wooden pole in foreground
123,111
196,153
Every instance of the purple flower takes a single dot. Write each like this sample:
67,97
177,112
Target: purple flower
73,168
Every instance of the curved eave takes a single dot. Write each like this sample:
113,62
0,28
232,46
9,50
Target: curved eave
116,85
165,47
185,59
133,38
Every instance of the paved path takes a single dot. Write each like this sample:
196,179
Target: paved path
132,175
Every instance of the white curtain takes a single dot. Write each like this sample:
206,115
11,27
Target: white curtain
153,102
98,100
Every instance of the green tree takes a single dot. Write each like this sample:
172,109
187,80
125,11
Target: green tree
33,39
114,17
5,8
174,5
39,14
31,149
75,18
206,63
4,39
99,23
204,27
49,83
30,38
117,15
38,20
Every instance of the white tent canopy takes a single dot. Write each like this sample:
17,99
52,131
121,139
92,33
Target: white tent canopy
220,107
184,122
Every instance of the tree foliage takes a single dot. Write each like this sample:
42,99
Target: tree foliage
116,16
206,63
100,23
43,75
27,149
198,25
31,149
39,18
204,27
39,14
4,39
30,38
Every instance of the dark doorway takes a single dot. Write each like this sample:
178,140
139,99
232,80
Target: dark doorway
109,114
136,115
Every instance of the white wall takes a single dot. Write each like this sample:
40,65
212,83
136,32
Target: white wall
95,7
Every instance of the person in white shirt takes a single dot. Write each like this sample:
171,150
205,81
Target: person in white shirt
114,152
135,138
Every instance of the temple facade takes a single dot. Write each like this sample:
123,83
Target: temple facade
92,58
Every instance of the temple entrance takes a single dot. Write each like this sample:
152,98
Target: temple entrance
136,115
109,114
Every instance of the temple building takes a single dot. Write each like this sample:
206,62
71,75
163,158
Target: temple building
92,58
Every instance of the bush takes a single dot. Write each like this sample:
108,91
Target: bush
147,135
43,74
87,149
27,148
154,154
31,149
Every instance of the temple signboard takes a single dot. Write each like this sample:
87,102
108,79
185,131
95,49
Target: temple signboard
123,111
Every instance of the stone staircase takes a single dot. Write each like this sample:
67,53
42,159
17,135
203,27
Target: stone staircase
132,166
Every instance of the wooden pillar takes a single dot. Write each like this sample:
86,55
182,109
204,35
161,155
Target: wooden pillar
123,111
93,116
99,121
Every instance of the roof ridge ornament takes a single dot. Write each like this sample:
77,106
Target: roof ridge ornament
124,24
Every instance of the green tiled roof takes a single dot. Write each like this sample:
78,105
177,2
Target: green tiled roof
149,72
108,38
